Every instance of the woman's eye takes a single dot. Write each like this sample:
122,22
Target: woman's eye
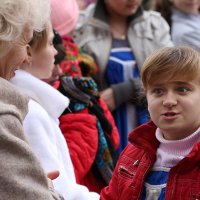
183,89
158,91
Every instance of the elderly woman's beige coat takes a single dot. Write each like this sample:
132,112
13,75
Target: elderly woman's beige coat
21,177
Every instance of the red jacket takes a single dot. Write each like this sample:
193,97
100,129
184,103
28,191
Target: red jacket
81,133
136,161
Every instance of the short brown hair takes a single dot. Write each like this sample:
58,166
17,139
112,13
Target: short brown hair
170,63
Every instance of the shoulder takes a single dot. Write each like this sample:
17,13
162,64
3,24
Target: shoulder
85,16
152,15
155,19
35,107
88,26
36,113
181,25
12,100
38,124
152,25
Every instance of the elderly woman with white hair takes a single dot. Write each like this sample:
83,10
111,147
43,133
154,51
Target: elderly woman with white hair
21,175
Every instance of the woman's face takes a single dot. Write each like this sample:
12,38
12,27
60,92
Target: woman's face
42,63
123,8
187,6
16,55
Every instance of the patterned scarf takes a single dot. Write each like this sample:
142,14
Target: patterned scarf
83,94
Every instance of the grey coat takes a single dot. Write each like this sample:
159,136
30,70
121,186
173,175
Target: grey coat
21,176
147,31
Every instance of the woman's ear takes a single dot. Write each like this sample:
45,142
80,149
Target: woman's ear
29,51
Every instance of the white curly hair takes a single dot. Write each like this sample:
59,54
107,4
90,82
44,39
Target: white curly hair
16,14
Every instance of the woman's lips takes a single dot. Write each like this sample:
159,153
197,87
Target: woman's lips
132,5
170,115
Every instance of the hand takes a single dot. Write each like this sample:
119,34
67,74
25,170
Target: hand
51,176
108,96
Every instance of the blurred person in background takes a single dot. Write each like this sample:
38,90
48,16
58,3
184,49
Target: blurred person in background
183,17
83,4
119,35
64,15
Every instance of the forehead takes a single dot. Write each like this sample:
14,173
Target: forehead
184,75
175,81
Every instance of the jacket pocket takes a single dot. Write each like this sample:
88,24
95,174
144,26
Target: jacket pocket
125,172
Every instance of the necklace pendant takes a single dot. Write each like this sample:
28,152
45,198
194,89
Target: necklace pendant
123,37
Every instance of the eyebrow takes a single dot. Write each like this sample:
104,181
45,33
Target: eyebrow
181,82
176,82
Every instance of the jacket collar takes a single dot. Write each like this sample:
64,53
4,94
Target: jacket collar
47,96
144,138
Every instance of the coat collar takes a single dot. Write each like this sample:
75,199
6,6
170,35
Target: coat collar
47,96
144,138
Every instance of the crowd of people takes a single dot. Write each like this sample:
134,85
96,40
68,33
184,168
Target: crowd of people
99,99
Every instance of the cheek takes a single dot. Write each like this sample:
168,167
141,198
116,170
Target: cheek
178,4
150,108
153,105
20,56
49,54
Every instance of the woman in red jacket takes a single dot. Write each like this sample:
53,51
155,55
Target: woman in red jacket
162,159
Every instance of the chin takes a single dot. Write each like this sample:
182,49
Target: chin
44,78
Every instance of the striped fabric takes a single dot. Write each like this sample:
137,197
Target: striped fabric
122,67
155,184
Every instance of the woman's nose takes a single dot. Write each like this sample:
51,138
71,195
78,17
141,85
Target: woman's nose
170,99
57,70
55,51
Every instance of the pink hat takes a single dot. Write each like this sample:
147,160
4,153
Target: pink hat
64,15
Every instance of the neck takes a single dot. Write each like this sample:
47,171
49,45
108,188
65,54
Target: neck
118,24
118,27
178,136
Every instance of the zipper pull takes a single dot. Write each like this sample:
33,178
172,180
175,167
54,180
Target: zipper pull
136,163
